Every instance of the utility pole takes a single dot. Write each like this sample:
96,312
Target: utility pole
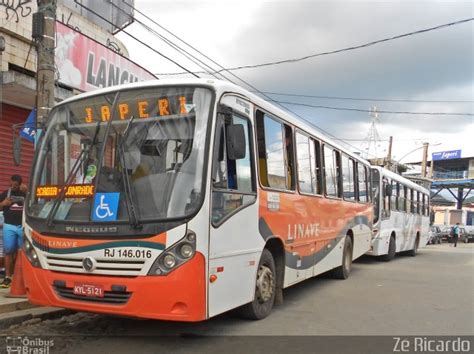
388,163
425,159
44,22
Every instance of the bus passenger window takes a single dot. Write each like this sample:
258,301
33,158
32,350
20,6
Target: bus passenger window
275,153
331,171
394,197
305,162
362,178
348,186
233,183
386,198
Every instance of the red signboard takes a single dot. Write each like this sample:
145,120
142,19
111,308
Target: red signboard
86,65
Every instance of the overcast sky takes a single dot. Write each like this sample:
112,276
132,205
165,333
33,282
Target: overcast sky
433,66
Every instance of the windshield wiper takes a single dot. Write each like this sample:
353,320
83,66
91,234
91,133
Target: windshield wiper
129,202
82,157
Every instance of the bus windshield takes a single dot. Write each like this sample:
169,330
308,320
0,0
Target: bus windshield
130,156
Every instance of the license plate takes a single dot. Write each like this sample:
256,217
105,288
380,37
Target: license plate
88,290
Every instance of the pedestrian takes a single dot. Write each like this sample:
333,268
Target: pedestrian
12,201
455,234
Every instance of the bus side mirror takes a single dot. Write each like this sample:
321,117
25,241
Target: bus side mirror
235,141
388,190
17,150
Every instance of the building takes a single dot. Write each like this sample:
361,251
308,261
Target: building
452,187
83,40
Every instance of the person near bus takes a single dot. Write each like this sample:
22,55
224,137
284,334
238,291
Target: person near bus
11,201
455,234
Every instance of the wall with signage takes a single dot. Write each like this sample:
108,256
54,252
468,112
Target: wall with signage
446,155
15,26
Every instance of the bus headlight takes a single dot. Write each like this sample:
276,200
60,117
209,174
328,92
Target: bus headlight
169,261
30,253
179,253
186,250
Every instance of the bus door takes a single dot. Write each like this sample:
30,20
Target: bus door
235,245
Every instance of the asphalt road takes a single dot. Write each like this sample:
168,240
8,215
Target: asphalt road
427,295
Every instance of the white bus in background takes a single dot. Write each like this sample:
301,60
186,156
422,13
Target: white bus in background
401,215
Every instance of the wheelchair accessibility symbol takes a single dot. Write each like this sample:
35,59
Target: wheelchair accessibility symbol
105,206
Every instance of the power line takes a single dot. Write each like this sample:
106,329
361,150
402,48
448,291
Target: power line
179,49
379,111
135,38
364,99
240,79
365,45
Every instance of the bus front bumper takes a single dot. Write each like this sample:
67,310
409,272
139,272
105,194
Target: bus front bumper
178,296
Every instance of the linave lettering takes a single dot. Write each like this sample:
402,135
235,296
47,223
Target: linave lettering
302,231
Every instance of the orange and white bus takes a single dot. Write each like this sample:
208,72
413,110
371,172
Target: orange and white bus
401,215
182,199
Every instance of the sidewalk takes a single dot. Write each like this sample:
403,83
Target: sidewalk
17,310
10,304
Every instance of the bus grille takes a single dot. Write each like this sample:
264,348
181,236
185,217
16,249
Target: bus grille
110,297
103,266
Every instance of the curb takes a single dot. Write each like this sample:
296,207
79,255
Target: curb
41,313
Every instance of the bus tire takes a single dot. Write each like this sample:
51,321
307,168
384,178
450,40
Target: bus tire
265,289
343,271
414,251
392,249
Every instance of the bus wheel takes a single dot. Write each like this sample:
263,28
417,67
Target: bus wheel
344,270
265,289
414,251
391,250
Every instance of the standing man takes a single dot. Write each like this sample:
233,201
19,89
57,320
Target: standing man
12,201
455,234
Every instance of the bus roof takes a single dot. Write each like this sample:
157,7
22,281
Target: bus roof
221,87
396,177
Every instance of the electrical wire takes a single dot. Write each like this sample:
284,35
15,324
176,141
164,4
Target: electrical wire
136,39
364,99
240,79
207,69
365,45
378,111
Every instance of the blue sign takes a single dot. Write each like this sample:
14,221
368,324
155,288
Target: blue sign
105,206
29,128
446,155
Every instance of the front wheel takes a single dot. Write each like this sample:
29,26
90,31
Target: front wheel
265,289
344,270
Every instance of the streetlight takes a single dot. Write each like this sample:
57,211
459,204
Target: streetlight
425,156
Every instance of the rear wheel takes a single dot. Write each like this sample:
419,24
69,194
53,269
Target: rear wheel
392,249
414,251
265,289
344,270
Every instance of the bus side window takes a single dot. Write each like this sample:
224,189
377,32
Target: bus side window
386,198
331,172
348,185
318,169
233,179
275,153
362,179
394,197
307,172
408,200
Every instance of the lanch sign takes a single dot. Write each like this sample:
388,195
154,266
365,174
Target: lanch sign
87,65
